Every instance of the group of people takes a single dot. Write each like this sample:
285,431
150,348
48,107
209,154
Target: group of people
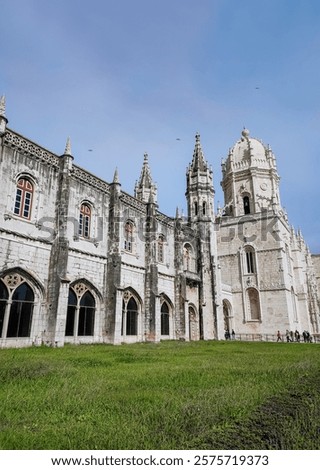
227,334
295,336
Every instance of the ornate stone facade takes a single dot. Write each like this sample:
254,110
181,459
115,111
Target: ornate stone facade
81,261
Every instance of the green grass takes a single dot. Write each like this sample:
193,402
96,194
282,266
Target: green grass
172,395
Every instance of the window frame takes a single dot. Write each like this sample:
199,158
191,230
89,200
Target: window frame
24,196
128,236
85,220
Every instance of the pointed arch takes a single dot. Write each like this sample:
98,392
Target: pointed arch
189,260
131,310
166,316
13,274
227,314
82,306
194,327
18,296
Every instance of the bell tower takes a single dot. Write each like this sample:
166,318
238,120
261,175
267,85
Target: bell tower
200,190
250,180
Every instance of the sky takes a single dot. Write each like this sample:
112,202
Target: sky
125,77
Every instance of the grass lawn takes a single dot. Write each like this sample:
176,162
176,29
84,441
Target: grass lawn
172,395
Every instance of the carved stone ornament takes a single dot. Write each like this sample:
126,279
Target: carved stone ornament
13,280
126,296
80,289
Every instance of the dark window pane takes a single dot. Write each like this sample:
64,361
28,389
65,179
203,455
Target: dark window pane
164,323
72,298
3,291
3,304
131,322
87,300
70,320
86,321
23,293
20,319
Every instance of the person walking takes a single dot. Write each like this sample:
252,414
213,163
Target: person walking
279,336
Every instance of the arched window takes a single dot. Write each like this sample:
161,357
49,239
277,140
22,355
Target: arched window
3,302
246,205
204,208
23,199
194,332
85,220
188,258
132,314
160,249
253,304
81,311
249,260
128,236
165,319
20,316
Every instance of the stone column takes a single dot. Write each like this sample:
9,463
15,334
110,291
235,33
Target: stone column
118,317
62,309
157,319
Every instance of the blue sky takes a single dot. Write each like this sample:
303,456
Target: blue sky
124,77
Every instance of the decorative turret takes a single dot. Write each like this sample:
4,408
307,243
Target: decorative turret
67,156
115,182
145,186
249,178
200,190
3,119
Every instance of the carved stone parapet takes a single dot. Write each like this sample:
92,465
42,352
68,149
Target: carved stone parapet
27,147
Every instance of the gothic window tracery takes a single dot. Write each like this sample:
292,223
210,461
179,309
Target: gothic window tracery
16,307
23,198
130,312
81,311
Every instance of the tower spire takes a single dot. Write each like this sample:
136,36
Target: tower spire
200,190
198,160
116,176
145,186
68,147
